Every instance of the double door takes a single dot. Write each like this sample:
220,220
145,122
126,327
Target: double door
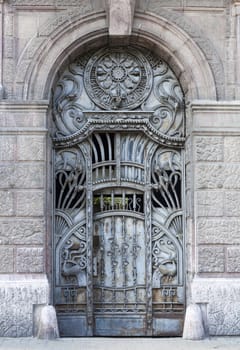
118,237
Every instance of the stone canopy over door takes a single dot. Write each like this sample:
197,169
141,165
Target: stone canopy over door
118,160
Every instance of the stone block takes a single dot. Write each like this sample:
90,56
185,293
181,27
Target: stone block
215,176
218,231
30,203
7,147
209,176
188,150
222,297
6,203
21,115
6,258
210,203
120,16
232,204
48,325
22,175
211,259
163,3
19,231
29,175
205,3
8,47
7,173
232,149
209,148
193,325
18,295
30,260
9,70
233,259
30,147
9,24
189,178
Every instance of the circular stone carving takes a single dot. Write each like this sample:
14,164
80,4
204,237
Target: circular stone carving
118,78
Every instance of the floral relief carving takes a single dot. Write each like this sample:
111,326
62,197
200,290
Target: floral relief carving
117,79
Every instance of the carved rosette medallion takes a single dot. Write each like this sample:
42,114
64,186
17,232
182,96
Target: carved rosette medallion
118,78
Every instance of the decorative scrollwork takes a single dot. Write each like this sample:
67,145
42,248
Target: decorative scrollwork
117,79
166,179
167,230
70,179
74,259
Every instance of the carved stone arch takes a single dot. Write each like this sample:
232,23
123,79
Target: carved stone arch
71,33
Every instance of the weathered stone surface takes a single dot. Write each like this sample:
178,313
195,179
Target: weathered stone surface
50,3
215,176
48,325
18,231
232,149
21,119
233,259
165,3
218,231
211,259
22,175
206,3
30,203
30,260
189,179
31,147
6,203
23,114
7,147
6,258
120,16
232,204
209,148
210,203
18,294
193,325
223,307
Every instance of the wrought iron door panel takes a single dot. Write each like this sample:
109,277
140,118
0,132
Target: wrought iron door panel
119,221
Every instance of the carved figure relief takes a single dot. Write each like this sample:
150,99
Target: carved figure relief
118,132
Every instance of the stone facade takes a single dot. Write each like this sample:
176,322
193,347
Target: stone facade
200,41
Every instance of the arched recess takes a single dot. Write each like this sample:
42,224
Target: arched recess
118,237
40,62
40,65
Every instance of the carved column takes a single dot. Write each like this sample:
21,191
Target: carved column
120,18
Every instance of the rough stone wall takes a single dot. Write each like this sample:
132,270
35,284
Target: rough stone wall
216,169
22,215
212,154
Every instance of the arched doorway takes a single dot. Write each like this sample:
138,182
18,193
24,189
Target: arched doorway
119,230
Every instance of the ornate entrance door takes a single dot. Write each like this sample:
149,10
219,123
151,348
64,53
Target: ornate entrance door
118,230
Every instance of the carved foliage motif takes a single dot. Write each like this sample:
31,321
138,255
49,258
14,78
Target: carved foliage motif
118,79
167,231
70,231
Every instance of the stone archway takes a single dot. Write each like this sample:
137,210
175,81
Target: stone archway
45,53
39,64
119,229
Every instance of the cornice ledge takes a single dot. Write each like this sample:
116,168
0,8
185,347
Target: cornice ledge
208,105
